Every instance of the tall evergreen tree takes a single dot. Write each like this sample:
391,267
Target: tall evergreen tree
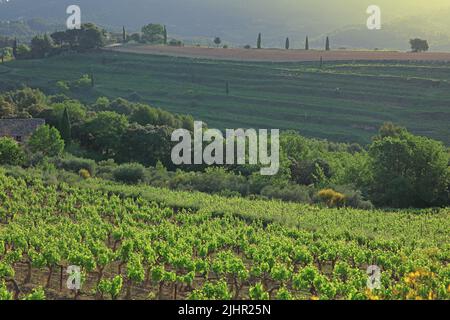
15,48
124,35
92,79
287,45
327,44
259,41
307,43
165,35
65,127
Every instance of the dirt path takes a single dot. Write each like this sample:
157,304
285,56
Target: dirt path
279,55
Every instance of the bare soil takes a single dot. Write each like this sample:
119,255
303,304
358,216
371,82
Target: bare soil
279,55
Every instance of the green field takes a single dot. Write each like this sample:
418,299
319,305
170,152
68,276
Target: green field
341,101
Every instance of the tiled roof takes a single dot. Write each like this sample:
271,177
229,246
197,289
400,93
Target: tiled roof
19,127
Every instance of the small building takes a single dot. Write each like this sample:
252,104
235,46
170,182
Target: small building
19,129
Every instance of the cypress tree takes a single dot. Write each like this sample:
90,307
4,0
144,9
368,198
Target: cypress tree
307,43
124,35
92,80
287,45
327,44
15,48
258,42
65,127
165,35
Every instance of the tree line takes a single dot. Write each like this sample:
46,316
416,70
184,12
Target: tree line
132,140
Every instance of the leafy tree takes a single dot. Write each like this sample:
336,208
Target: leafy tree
307,43
136,37
91,37
327,44
124,35
144,115
59,38
409,171
10,152
287,44
146,145
23,52
7,109
65,127
217,41
153,33
103,133
259,41
41,46
46,140
29,100
419,45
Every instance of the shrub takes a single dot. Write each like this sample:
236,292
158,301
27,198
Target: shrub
332,198
294,193
354,198
84,174
131,173
76,164
10,152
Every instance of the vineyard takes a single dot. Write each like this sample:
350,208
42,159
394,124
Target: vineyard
148,243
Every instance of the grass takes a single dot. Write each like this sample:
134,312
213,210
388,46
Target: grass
341,101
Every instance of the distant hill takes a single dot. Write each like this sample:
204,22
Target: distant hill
238,22
435,27
25,30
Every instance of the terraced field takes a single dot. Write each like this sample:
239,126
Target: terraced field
341,101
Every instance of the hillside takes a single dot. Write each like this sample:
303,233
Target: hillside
396,34
239,22
134,248
342,101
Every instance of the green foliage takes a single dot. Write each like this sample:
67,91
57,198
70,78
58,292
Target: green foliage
259,41
255,249
103,132
257,292
4,293
409,171
307,102
65,127
46,140
294,193
75,164
146,145
10,152
419,45
112,287
217,41
130,173
36,294
41,46
153,33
